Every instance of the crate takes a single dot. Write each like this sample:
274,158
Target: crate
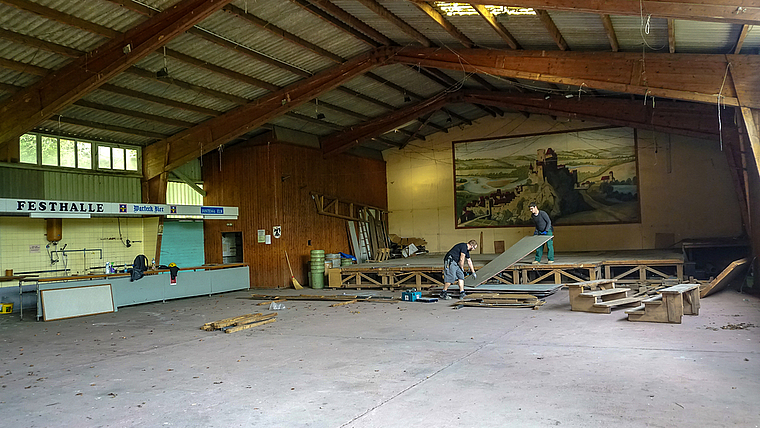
410,296
6,308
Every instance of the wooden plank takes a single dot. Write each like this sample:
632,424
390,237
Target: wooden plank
600,293
733,271
674,305
513,255
347,302
618,302
247,326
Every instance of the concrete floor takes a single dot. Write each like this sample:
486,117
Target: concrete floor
382,365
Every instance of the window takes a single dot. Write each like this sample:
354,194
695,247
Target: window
67,153
84,155
104,157
28,148
50,151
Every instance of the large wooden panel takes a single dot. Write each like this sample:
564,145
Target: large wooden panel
76,302
271,184
514,254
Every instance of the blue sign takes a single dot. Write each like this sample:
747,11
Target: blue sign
212,210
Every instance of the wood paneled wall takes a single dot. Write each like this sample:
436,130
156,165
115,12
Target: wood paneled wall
271,185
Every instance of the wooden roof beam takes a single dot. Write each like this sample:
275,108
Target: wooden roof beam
742,36
665,77
726,11
167,154
398,22
27,108
346,22
671,36
610,31
551,27
496,26
340,142
691,119
445,24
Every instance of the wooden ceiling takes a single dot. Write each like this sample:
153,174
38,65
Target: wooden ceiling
185,77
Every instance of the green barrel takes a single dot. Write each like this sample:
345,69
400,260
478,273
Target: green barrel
317,280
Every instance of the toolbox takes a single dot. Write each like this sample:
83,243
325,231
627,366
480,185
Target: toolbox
410,296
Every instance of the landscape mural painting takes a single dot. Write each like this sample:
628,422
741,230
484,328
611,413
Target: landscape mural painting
581,177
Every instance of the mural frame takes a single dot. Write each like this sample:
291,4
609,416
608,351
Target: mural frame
579,177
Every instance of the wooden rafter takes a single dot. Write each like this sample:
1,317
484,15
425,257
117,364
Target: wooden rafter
389,16
335,207
445,24
63,18
664,77
610,31
691,119
671,35
496,26
339,143
346,22
176,150
727,11
551,27
742,36
27,108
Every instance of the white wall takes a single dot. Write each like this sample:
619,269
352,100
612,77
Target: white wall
684,189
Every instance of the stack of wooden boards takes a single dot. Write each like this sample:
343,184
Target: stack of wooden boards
501,300
242,322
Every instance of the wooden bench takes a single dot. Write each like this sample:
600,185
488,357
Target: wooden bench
599,301
669,306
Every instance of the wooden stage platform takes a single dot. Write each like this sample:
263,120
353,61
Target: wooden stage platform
634,267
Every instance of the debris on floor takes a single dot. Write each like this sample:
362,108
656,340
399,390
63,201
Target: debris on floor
340,298
242,322
500,300
740,326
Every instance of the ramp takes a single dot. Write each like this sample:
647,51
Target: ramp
731,273
506,259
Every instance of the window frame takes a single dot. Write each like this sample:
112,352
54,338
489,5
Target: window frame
94,157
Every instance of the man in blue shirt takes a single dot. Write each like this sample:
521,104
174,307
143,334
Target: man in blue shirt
543,227
453,266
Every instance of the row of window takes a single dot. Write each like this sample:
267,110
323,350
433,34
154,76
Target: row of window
39,149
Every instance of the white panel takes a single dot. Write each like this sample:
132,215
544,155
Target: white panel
76,302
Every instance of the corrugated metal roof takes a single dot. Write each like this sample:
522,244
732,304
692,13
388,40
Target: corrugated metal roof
582,31
375,21
108,118
77,131
106,14
421,22
29,24
752,41
129,103
32,56
302,23
632,33
705,37
529,31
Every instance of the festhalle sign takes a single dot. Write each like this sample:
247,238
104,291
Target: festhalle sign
53,207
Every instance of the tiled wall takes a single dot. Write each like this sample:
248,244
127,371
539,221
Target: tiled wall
24,246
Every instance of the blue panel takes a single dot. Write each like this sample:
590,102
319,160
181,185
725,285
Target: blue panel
182,243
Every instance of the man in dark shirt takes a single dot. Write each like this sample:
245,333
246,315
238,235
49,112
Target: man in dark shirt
453,266
543,227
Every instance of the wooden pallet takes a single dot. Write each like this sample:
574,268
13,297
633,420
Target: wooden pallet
669,306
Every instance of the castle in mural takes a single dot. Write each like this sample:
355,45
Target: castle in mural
590,186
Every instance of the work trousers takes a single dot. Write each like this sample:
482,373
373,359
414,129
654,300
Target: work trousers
549,246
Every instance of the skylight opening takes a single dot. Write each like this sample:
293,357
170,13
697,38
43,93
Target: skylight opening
464,9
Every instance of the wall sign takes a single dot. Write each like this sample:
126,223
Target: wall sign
62,208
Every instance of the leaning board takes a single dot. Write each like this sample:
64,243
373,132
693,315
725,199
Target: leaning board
506,259
76,301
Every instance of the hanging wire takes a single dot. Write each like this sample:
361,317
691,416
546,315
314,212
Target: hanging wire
720,97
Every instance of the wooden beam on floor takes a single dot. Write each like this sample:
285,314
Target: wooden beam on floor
29,107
